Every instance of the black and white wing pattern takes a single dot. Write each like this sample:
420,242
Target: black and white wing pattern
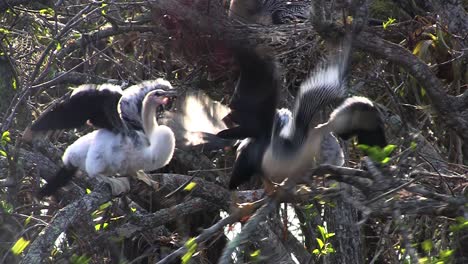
96,104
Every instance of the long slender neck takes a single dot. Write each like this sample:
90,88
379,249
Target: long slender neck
148,116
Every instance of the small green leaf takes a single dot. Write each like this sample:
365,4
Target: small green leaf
330,250
423,260
133,209
4,31
462,224
88,191
363,147
315,251
388,22
328,235
99,226
427,245
385,160
446,253
322,231
3,153
255,254
6,136
191,246
83,259
413,145
58,46
320,243
105,205
7,207
27,220
388,150
13,84
190,186
103,8
20,245
47,11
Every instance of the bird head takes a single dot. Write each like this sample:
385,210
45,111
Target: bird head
161,96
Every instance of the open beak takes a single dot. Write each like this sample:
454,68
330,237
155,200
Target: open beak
171,93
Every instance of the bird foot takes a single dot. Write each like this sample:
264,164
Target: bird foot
118,185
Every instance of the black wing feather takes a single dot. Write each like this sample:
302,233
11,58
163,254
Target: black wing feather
99,106
255,97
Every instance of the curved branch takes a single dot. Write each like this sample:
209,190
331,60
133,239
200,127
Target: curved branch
42,246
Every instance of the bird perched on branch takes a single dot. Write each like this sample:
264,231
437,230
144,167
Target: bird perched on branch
268,12
127,139
283,144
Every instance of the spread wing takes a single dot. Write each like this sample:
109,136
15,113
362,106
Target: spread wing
94,103
253,104
195,120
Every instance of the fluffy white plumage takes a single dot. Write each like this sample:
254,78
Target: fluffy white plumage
118,147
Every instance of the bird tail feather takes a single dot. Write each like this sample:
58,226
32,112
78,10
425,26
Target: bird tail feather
60,179
357,116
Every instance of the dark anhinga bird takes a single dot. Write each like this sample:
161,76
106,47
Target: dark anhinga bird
128,138
267,12
282,144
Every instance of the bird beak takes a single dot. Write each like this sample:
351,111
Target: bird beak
171,93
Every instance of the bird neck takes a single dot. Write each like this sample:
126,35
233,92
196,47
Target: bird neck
148,116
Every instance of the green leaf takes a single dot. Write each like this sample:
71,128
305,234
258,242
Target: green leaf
103,8
3,153
133,209
423,260
104,205
13,84
4,31
20,245
88,191
322,231
328,235
316,251
462,224
320,243
385,160
363,147
330,250
83,259
58,46
413,145
387,150
7,207
47,11
101,226
190,186
191,246
387,23
27,220
255,254
427,245
446,253
6,136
